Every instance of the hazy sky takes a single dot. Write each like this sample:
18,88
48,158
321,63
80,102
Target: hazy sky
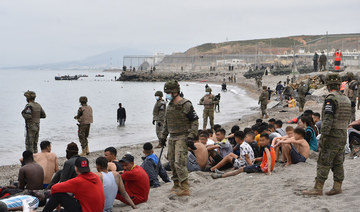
44,31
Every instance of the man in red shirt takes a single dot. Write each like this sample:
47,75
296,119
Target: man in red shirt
86,187
136,181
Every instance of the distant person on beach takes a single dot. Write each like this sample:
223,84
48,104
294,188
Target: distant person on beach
48,161
267,161
31,174
150,163
121,115
244,159
32,114
209,101
181,122
322,61
302,90
217,105
295,149
279,91
85,118
112,184
263,101
136,181
223,86
159,114
87,189
315,61
270,92
113,164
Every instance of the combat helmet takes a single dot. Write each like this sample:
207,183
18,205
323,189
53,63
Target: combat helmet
333,79
159,93
208,89
83,99
30,94
172,86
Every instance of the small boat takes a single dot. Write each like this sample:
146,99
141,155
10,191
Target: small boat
67,77
99,75
83,75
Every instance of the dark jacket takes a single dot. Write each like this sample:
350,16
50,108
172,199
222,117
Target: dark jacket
68,171
121,113
149,166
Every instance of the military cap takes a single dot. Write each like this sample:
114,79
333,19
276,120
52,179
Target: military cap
159,93
333,78
83,99
208,89
171,86
30,94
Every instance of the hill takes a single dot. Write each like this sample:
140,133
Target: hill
279,45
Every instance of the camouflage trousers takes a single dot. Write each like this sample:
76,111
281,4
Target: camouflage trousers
331,156
322,66
263,110
83,134
178,156
353,110
208,113
32,137
159,128
301,102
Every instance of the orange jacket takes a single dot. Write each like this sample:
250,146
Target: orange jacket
338,56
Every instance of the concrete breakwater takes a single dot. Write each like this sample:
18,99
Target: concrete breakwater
165,76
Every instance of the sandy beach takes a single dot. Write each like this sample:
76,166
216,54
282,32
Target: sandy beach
246,192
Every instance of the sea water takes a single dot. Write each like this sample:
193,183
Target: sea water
60,101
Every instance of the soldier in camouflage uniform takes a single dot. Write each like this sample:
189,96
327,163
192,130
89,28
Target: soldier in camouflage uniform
85,118
209,101
258,82
335,119
159,114
263,101
302,90
182,123
32,114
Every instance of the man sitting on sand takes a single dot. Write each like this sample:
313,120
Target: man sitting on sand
279,129
136,181
204,138
245,158
267,160
150,162
249,138
222,145
112,184
289,134
86,187
48,161
31,174
33,199
114,164
197,159
295,149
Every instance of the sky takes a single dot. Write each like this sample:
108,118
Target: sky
43,31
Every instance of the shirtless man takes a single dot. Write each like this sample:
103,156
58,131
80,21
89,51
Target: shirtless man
48,161
201,154
113,164
295,149
31,174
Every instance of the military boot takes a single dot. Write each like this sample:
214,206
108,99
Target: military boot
175,187
336,189
317,190
184,189
87,150
83,152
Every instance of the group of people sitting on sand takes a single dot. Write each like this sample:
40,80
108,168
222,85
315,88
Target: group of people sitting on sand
255,149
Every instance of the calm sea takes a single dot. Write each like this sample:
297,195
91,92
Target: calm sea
59,99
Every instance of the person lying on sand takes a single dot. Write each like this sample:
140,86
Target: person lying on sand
244,159
295,149
267,160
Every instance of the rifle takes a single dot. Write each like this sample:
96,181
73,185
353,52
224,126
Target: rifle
159,162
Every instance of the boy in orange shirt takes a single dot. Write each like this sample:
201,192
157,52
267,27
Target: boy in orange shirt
267,160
